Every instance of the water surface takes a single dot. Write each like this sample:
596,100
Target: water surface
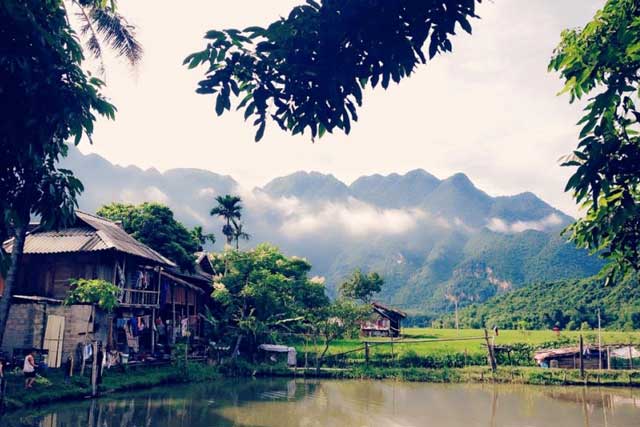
282,403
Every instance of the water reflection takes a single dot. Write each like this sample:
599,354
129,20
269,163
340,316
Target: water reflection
271,403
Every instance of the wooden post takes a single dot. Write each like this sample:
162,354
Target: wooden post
366,352
581,364
455,302
608,358
153,330
173,310
490,355
630,357
3,387
599,343
393,357
94,370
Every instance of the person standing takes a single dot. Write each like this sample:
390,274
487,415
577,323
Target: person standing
29,370
2,384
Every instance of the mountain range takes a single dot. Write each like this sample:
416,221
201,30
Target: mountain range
434,240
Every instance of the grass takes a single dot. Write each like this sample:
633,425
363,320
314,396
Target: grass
471,374
53,387
471,347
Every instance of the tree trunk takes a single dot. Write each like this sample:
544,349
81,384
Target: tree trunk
321,358
236,348
12,276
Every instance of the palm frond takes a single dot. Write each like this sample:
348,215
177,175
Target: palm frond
117,33
91,38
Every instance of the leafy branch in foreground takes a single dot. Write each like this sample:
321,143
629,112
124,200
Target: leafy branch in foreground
308,70
604,57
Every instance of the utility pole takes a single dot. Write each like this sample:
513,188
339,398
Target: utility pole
581,357
599,342
455,302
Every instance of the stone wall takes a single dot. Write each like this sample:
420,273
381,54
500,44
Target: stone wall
24,327
27,323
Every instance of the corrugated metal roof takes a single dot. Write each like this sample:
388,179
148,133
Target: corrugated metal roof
68,240
112,234
90,233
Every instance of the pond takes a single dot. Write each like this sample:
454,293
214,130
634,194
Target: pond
281,403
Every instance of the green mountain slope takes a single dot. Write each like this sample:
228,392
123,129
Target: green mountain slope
569,304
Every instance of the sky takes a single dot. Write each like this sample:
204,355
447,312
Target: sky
488,109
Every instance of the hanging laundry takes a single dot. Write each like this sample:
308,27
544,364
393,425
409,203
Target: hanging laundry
87,352
133,323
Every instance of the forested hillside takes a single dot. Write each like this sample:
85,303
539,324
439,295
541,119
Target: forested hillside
568,304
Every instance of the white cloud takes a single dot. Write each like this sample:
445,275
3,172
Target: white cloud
501,226
149,194
353,217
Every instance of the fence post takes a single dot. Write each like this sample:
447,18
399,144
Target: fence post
94,370
630,357
490,355
366,352
581,357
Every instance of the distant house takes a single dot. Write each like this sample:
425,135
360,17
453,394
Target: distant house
385,322
153,292
569,357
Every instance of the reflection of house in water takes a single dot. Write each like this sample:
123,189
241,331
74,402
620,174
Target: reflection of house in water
152,291
385,322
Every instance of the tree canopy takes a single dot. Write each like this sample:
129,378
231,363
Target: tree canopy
154,225
602,60
264,292
361,286
308,70
96,291
230,210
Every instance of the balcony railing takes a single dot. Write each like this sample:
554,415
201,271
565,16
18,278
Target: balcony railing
140,298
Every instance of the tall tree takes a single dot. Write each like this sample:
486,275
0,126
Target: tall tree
361,286
239,233
308,70
154,225
229,209
46,100
263,293
603,58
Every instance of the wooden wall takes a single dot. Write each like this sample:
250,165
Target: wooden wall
49,275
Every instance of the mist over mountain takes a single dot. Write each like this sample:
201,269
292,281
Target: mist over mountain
434,240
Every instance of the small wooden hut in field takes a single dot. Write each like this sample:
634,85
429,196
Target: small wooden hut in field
569,358
385,322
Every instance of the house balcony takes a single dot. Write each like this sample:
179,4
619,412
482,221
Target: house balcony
140,298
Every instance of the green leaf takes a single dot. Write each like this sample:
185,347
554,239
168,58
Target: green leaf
260,132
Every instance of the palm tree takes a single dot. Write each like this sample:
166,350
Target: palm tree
239,233
229,209
101,24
